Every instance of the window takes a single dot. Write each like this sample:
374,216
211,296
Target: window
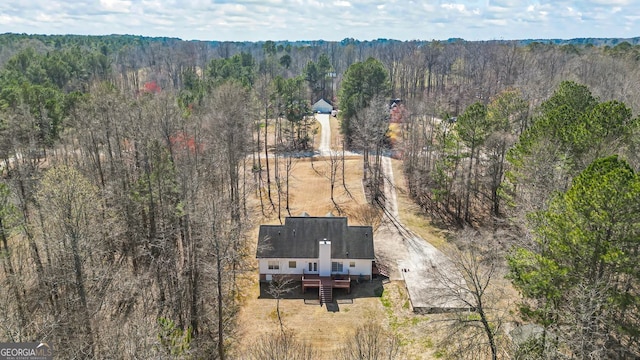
336,267
274,265
352,264
313,267
292,265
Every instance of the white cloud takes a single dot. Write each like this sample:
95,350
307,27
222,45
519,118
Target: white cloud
610,2
459,7
308,19
497,22
45,17
342,3
9,20
116,5
571,12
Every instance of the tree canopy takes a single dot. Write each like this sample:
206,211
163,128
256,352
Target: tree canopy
571,130
362,82
579,280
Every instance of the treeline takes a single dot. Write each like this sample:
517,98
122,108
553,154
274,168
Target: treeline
452,73
128,164
554,189
129,233
126,193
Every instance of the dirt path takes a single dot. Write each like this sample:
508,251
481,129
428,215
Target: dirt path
407,256
325,137
412,258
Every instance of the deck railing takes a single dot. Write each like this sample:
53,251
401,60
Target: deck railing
342,284
316,282
310,283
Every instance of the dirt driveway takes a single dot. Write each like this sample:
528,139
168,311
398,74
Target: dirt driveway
325,136
413,259
407,256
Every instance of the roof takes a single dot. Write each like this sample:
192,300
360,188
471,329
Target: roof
299,237
322,104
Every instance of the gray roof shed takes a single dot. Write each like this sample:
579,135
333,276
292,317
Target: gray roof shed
322,106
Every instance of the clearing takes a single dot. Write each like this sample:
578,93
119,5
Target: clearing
388,303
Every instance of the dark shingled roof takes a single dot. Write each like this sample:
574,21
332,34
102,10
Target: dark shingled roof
299,238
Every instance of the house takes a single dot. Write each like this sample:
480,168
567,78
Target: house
322,252
397,111
322,106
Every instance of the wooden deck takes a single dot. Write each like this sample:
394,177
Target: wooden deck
325,285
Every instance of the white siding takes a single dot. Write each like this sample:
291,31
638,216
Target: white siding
301,264
363,267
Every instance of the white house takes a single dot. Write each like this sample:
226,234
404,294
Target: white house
315,247
322,106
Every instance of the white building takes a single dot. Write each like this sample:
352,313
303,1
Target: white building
322,106
311,247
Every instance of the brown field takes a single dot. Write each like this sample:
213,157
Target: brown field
327,328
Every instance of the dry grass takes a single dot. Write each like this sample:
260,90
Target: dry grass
311,323
412,216
327,330
336,136
310,189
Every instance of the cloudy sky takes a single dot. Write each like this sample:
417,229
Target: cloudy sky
253,20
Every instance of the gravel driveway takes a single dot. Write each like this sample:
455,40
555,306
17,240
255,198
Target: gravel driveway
408,257
413,259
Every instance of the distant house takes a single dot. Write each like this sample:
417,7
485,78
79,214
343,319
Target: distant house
397,110
322,106
322,252
152,87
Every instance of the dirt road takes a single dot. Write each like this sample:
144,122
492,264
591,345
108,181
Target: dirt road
407,256
414,258
325,137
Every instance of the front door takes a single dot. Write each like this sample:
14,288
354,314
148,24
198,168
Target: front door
313,267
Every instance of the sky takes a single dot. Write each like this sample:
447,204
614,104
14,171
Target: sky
334,20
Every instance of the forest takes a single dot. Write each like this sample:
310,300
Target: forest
133,170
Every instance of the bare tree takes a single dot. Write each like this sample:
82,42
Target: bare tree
8,217
278,288
231,123
370,127
263,90
281,345
332,162
371,342
470,279
71,204
289,165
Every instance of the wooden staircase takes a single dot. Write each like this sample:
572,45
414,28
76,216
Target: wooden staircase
380,269
326,293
